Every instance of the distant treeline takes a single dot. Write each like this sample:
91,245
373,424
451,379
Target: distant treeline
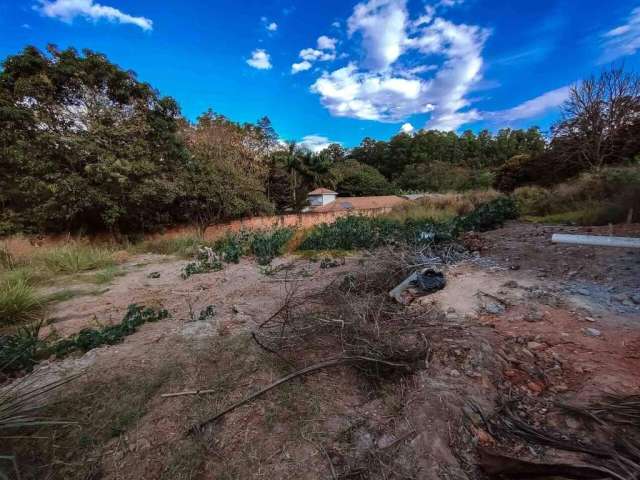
85,146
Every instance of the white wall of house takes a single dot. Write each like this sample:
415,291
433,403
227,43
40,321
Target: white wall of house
321,200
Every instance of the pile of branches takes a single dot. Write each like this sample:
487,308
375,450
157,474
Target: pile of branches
355,317
607,442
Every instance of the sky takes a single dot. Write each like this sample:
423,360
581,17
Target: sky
340,70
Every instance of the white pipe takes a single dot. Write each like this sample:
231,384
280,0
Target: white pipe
597,240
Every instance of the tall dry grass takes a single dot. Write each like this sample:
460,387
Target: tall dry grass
440,207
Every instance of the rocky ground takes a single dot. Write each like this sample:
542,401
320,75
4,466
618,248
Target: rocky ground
522,324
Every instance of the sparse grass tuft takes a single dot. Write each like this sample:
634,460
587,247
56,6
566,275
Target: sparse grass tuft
107,275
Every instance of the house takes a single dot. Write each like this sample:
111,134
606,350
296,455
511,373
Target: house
322,200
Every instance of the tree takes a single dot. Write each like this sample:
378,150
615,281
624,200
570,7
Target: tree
84,144
596,116
356,179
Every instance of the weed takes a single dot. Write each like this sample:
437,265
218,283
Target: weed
21,350
207,261
207,314
184,246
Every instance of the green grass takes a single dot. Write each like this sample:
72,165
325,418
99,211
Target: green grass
107,275
19,301
74,258
184,247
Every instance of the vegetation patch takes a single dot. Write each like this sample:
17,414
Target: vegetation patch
24,348
357,232
19,301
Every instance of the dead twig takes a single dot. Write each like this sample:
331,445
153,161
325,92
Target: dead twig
305,371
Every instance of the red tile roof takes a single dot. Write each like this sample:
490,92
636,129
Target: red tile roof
322,191
360,203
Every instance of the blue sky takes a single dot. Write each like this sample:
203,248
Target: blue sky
339,70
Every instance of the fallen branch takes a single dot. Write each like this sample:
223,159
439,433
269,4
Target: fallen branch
305,371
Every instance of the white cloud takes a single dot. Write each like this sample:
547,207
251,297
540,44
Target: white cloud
335,24
407,128
260,59
382,26
26,26
326,43
623,40
532,108
67,10
389,92
315,143
311,55
272,27
300,67
449,3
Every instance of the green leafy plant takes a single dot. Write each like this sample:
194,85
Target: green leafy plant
19,301
90,338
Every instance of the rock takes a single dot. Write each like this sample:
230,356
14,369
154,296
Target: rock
620,297
451,310
635,298
590,319
511,284
535,346
454,373
592,332
582,291
494,308
533,315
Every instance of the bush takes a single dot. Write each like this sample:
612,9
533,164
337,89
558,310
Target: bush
20,351
532,200
269,244
355,232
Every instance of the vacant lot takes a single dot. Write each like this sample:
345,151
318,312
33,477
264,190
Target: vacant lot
521,327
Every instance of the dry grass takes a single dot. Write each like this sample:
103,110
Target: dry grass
441,207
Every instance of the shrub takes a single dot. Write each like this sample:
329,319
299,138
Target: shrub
269,244
356,232
532,200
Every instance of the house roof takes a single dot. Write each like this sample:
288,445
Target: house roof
322,191
360,203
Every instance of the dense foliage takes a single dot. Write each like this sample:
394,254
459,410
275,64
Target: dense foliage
357,232
85,146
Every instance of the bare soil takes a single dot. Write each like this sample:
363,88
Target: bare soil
523,319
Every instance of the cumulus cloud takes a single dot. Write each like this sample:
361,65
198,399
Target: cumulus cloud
300,67
534,107
407,128
67,10
311,55
272,27
622,40
260,59
325,52
385,91
315,143
326,43
382,26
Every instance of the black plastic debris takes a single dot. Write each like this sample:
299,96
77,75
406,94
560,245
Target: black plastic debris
429,281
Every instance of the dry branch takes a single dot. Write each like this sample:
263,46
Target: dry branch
299,373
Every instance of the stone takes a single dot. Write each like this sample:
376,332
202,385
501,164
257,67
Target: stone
494,308
635,298
454,373
583,291
511,284
535,346
590,319
592,332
